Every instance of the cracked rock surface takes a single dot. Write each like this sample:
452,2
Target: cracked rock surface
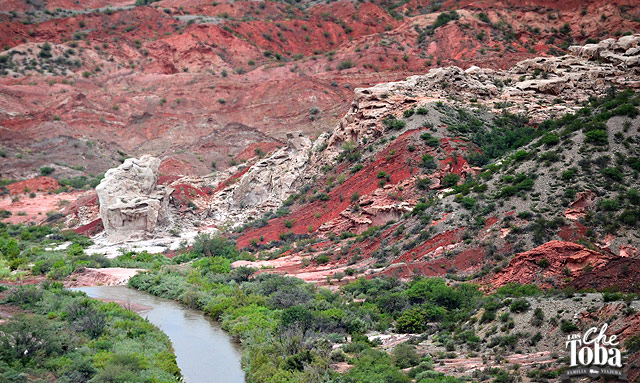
132,204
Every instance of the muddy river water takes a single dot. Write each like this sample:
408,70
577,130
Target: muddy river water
205,353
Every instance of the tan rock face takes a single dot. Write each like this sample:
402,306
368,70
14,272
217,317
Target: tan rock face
131,202
265,185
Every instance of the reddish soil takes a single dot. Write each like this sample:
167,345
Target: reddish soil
35,209
249,82
175,167
617,274
39,184
392,160
257,149
573,232
557,264
92,228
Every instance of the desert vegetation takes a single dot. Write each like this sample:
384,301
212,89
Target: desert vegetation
66,336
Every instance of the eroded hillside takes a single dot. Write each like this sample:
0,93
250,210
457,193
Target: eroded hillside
199,83
524,175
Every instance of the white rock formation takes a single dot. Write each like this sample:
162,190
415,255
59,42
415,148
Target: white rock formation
131,202
266,185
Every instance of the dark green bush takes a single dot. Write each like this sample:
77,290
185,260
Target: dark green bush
519,306
597,137
567,326
393,123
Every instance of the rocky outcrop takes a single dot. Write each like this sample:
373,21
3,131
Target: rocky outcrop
530,87
265,185
361,123
38,184
132,204
623,51
578,208
548,265
377,208
620,274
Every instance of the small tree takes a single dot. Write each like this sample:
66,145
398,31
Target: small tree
46,170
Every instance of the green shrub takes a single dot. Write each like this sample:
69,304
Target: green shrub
568,174
614,174
567,326
428,162
517,290
322,259
444,18
345,65
393,123
550,139
597,137
430,140
404,355
609,205
215,265
415,320
46,170
373,366
632,344
628,110
450,179
209,245
520,155
423,183
630,217
519,306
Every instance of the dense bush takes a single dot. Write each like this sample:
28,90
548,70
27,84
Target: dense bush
519,306
428,162
393,123
72,338
510,132
373,366
22,248
567,326
430,140
518,290
214,245
597,137
416,319
450,179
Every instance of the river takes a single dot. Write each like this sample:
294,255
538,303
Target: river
204,352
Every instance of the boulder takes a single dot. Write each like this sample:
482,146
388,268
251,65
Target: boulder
551,86
626,42
132,204
588,51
